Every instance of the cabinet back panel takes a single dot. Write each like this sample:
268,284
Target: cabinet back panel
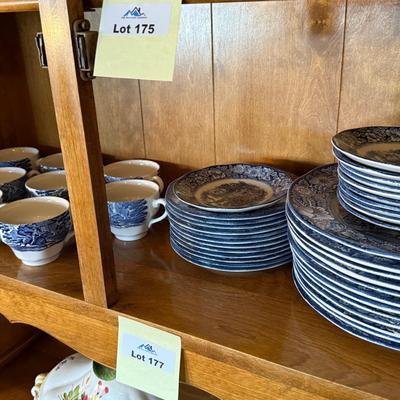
256,81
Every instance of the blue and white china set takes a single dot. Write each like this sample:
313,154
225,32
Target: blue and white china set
340,223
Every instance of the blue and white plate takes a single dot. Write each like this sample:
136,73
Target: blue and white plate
222,216
374,146
312,199
346,322
369,172
232,187
228,267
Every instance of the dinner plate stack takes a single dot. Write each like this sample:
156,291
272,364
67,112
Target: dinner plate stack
230,217
347,269
369,174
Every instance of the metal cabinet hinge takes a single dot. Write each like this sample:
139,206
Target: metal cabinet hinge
41,49
85,44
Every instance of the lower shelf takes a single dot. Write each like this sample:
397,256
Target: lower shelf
259,316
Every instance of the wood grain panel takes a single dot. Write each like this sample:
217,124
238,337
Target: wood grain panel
118,108
38,82
371,65
16,119
277,78
178,115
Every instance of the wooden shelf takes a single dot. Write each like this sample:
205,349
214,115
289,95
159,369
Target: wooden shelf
255,319
19,5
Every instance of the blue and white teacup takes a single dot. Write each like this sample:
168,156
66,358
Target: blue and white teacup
53,162
48,184
20,157
133,169
132,205
36,229
12,183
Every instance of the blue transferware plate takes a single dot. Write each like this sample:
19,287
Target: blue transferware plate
313,200
373,146
369,187
352,295
351,292
375,286
373,211
223,217
343,321
232,187
245,244
227,267
255,225
277,226
357,211
366,171
259,248
334,261
367,203
391,283
227,256
376,263
385,184
390,324
389,204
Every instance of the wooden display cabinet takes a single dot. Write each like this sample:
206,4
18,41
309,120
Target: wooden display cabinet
265,81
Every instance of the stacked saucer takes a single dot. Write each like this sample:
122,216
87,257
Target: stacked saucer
369,174
345,268
230,217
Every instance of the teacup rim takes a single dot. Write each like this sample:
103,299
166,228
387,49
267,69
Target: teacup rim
45,199
154,164
50,156
23,148
139,182
22,171
39,176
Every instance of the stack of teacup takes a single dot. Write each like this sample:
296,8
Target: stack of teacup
35,228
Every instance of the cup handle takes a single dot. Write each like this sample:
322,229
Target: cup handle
157,202
32,173
159,182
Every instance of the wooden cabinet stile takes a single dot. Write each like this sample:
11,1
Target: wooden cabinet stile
76,119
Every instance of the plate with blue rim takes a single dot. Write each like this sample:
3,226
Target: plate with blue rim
257,247
249,231
370,172
223,217
341,320
382,208
226,266
312,198
369,187
331,282
255,224
389,204
246,243
233,188
361,213
388,324
373,146
387,295
222,254
329,246
386,184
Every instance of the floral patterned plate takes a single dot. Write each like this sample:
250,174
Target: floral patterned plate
312,199
373,146
233,187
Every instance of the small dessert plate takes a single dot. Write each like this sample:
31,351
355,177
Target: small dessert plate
374,146
233,187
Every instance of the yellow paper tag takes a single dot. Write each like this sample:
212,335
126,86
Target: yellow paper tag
138,40
148,359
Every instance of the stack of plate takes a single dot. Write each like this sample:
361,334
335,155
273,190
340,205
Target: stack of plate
345,268
230,217
369,174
